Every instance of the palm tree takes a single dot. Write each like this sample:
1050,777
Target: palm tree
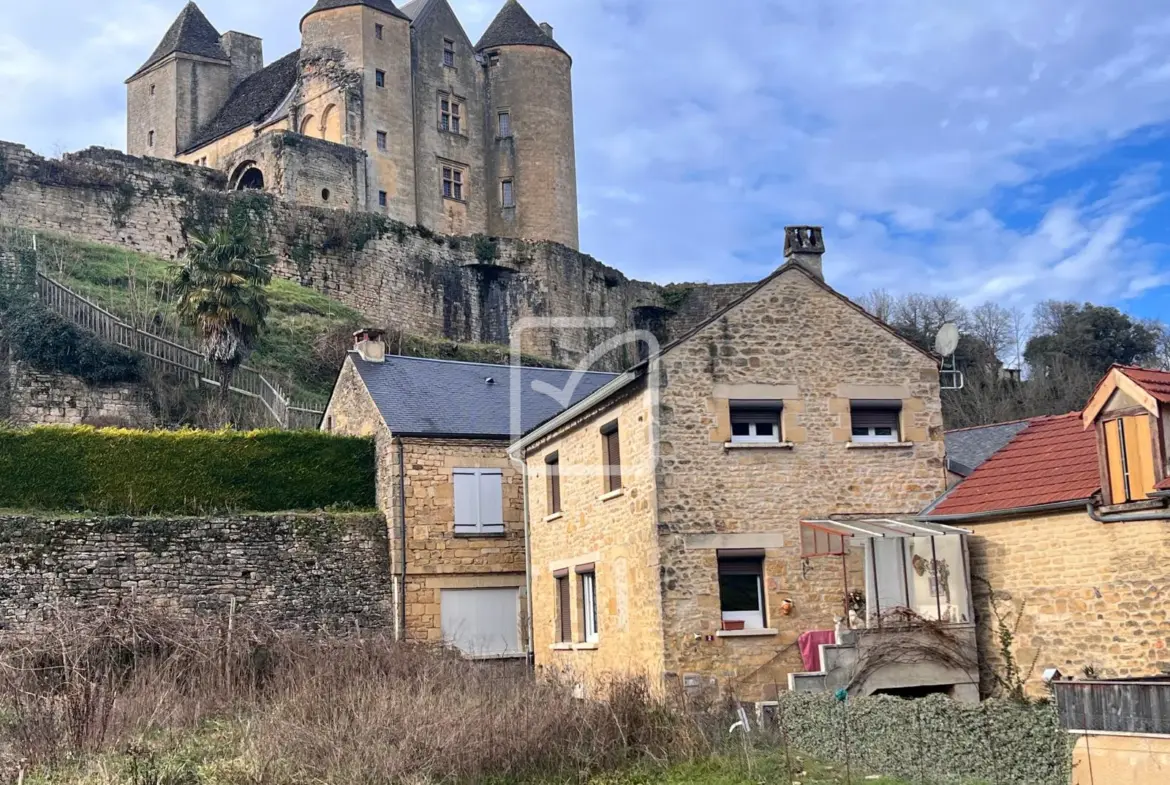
221,292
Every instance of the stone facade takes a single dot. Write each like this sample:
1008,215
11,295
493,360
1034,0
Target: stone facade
292,570
58,399
792,341
435,557
1093,594
373,81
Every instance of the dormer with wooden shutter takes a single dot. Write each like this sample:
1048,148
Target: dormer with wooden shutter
1129,410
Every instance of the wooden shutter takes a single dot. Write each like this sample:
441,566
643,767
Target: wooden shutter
1139,456
553,467
466,500
564,610
491,500
613,460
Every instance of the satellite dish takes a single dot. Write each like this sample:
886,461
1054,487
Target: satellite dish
947,339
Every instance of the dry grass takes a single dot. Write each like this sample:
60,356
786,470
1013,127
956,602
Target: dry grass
301,707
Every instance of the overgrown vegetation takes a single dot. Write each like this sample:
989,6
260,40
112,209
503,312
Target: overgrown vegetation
675,295
486,249
133,472
1007,672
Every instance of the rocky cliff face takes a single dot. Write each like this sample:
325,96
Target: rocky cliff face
461,288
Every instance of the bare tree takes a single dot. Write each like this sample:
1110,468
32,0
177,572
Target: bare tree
878,302
992,324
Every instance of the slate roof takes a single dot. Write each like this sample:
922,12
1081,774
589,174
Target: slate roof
254,99
1052,461
968,448
419,397
192,34
1156,383
414,8
385,6
514,26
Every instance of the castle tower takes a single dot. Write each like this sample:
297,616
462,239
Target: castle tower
530,106
179,89
356,89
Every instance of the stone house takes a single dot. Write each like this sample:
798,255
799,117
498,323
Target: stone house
384,109
1071,528
676,515
452,500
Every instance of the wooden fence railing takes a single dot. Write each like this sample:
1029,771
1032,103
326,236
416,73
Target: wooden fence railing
173,357
1114,706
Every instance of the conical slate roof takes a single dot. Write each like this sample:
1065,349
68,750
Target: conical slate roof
514,26
385,6
191,34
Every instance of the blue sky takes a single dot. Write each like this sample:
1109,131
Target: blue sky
997,149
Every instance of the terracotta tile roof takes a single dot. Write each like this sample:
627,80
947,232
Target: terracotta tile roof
1163,486
1053,460
1156,383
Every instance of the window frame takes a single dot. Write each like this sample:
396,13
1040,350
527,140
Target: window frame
893,408
448,53
379,78
611,453
501,122
1132,436
451,113
552,468
590,619
739,563
480,529
755,413
382,141
383,198
454,175
379,32
564,609
507,193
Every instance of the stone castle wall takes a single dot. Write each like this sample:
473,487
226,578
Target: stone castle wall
295,570
464,289
35,398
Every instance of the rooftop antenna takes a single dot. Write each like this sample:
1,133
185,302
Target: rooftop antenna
945,344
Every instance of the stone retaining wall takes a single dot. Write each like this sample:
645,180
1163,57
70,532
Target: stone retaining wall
35,398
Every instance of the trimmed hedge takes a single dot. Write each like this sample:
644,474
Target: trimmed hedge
125,472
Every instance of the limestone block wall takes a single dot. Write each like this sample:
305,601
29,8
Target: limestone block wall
1094,594
59,399
293,570
614,532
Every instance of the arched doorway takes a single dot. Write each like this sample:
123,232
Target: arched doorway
247,177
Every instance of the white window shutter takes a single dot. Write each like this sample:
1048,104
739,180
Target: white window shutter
466,500
491,500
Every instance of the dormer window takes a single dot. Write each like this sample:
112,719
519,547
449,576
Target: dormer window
1128,410
1129,455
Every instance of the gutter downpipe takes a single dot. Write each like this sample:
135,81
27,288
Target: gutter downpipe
1160,515
528,567
402,538
975,516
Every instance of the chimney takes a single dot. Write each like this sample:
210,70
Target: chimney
246,53
805,245
547,28
369,345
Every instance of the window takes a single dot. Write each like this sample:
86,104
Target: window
588,603
448,53
479,501
452,183
612,454
507,194
380,78
152,89
875,422
381,140
505,124
481,622
381,198
755,423
450,114
379,32
564,608
1129,455
493,58
552,467
150,138
741,590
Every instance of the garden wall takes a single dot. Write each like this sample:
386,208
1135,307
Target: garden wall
35,398
312,570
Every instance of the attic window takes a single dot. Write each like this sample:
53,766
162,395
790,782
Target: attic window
1129,457
875,422
755,422
379,32
448,53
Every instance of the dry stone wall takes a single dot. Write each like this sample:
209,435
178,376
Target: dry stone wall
292,570
35,398
464,289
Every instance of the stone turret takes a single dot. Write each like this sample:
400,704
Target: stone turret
530,106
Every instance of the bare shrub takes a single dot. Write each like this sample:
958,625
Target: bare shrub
311,707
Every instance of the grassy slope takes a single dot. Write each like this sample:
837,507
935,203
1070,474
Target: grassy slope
307,331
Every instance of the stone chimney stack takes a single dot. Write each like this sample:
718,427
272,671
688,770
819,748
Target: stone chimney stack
805,245
369,345
246,53
547,28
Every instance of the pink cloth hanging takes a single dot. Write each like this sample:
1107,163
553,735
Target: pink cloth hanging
810,647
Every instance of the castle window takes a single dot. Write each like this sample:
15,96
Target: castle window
382,198
450,114
150,139
493,58
380,78
379,32
448,53
505,124
507,194
453,183
152,89
382,140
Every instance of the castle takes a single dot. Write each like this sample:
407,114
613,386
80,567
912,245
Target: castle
383,109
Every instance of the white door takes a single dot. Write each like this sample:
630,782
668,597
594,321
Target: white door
482,622
891,577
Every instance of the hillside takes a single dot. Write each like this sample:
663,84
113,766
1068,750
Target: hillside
307,334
